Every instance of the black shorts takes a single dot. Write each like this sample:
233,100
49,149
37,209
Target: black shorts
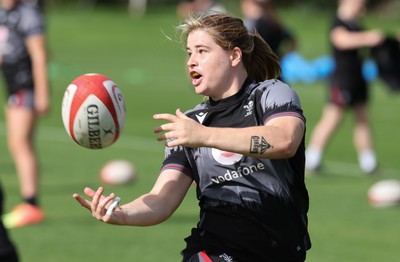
347,91
23,98
18,76
203,256
238,235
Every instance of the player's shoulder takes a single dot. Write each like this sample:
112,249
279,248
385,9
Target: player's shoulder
275,91
198,108
29,12
24,7
32,20
271,85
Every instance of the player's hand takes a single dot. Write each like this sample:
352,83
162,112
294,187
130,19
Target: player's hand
180,130
375,37
99,205
42,105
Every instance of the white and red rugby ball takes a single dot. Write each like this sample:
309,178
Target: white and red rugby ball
93,111
384,193
117,172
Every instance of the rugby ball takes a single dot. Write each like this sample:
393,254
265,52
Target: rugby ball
384,193
117,172
93,111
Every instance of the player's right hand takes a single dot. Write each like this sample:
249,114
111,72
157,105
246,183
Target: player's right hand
99,204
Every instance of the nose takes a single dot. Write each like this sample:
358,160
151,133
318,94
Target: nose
191,62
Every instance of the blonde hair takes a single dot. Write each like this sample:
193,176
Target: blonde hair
229,32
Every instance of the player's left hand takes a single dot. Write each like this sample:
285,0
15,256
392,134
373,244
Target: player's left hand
180,130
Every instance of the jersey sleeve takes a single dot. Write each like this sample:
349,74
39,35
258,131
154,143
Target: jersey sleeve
176,158
280,100
32,23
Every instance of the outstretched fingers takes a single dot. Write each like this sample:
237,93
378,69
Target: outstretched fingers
99,203
89,192
85,203
176,131
180,114
164,127
167,117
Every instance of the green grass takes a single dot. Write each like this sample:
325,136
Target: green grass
150,71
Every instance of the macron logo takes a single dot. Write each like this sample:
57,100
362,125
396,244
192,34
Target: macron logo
201,117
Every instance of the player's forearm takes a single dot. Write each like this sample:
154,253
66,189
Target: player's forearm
147,210
40,76
41,86
259,141
37,51
345,40
158,205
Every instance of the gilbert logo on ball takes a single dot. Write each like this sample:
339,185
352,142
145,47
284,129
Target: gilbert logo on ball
93,111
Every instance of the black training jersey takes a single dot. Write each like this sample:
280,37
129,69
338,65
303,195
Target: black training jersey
347,84
254,208
234,178
16,26
348,62
274,34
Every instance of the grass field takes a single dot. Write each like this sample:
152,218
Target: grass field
149,70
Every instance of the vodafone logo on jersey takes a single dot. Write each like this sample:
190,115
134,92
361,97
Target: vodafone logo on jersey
229,158
225,158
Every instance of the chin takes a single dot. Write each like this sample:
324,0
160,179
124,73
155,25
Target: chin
199,90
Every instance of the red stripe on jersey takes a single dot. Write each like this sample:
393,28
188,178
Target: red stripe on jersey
179,168
284,114
204,256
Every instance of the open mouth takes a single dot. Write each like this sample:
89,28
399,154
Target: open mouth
195,75
196,78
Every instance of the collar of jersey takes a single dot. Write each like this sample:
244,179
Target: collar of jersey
232,99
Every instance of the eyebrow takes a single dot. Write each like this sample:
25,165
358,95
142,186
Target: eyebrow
198,46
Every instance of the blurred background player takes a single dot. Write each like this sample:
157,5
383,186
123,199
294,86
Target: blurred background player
348,88
185,7
24,67
8,252
137,6
262,16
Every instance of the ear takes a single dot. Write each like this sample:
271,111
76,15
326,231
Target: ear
236,56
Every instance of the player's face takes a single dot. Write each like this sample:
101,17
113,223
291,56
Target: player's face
209,66
355,7
8,4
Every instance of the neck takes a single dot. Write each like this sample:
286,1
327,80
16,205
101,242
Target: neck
234,85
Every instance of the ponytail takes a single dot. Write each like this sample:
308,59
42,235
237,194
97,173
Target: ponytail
261,62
